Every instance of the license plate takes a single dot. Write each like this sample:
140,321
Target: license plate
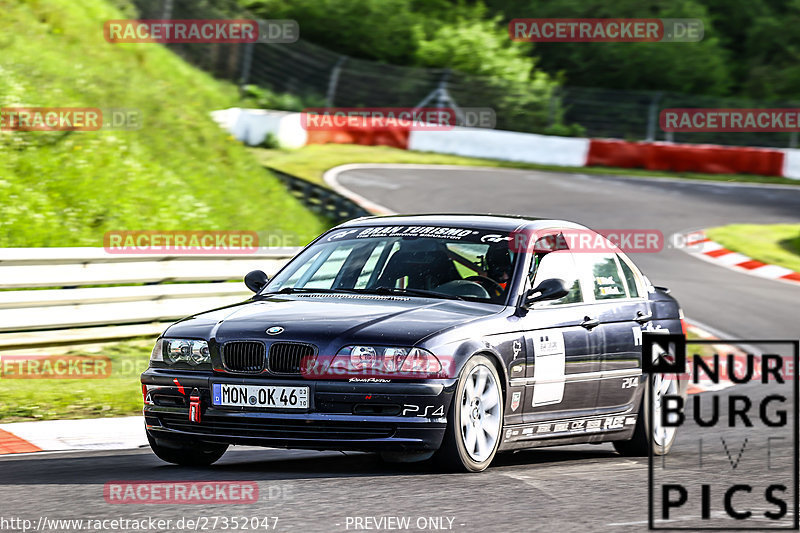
230,395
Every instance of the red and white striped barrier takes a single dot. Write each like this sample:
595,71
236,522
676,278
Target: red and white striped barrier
703,158
253,125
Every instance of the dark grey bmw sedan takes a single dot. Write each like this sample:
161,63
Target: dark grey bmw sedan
433,337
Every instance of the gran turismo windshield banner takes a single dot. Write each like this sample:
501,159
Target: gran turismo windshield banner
436,232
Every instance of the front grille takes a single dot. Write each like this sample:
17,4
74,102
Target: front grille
244,356
280,429
285,357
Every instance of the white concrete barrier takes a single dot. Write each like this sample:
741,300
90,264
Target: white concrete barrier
252,126
503,145
791,164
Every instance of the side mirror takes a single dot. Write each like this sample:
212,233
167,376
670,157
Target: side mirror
256,280
549,289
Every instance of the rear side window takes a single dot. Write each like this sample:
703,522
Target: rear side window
630,278
603,275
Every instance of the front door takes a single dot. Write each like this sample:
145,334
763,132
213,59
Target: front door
562,353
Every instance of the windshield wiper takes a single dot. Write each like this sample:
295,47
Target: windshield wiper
413,292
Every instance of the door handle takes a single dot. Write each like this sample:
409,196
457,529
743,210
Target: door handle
589,322
642,318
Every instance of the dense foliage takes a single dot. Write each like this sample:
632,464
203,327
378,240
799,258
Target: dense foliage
751,47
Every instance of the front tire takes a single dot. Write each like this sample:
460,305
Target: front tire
475,419
186,453
653,433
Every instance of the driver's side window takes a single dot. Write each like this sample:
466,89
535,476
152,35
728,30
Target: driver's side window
560,265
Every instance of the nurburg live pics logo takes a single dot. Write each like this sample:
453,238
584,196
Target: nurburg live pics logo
740,468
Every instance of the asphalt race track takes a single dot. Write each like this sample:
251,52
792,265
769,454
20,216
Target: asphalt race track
577,488
736,304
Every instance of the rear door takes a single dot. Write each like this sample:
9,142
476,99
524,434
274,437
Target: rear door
620,310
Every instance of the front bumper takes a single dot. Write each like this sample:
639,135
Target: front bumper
342,415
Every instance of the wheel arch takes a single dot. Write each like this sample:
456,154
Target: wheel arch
497,361
465,350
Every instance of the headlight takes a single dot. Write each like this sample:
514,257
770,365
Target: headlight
389,360
188,351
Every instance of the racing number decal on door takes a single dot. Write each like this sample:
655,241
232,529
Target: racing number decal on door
549,367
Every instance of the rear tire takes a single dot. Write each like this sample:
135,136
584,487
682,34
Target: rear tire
186,453
475,419
655,434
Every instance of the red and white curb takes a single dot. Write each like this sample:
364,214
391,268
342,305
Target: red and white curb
705,384
700,246
119,433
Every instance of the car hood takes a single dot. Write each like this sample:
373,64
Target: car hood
331,321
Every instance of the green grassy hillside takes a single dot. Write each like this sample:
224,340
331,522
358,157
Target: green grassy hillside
179,171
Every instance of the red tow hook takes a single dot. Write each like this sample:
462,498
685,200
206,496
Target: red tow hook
194,406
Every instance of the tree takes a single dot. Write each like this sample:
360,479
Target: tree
383,30
682,67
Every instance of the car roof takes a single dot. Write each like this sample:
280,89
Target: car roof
486,222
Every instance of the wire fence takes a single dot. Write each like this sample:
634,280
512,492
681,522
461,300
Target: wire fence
316,76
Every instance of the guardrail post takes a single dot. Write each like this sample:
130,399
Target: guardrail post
334,81
166,14
652,117
247,61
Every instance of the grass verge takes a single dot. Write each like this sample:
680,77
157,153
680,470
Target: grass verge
310,162
119,394
693,348
777,244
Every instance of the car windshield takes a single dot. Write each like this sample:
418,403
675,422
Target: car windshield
429,261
